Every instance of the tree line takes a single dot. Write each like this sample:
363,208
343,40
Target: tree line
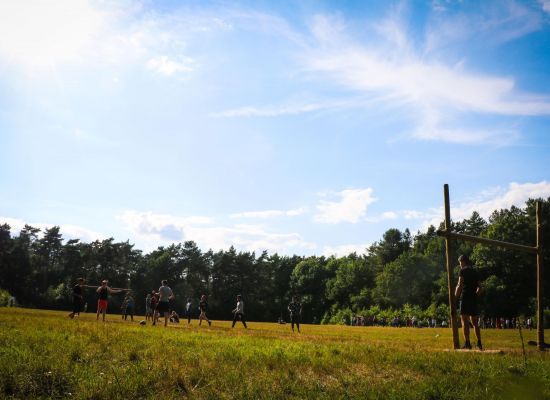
399,272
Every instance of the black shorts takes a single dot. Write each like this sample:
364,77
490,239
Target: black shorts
294,319
468,305
77,304
163,307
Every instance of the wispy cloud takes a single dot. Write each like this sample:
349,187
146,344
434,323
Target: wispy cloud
351,207
273,111
428,89
270,213
545,5
495,22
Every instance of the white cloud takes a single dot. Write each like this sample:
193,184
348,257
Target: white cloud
515,195
270,213
487,201
345,250
389,215
351,207
68,231
160,226
78,232
545,5
46,36
166,66
47,33
160,229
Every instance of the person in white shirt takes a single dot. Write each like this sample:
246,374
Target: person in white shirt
239,312
188,308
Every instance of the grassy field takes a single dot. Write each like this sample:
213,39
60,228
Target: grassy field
44,354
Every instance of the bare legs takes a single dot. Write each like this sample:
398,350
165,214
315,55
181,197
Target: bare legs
466,319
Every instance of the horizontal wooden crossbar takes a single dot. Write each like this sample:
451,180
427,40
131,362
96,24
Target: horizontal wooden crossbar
475,239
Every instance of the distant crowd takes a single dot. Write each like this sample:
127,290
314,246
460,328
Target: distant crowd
414,322
396,322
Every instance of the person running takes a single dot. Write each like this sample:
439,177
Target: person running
295,310
467,290
129,306
77,297
103,293
239,312
203,307
148,308
163,306
188,308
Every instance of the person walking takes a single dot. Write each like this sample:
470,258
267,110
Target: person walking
163,306
295,310
103,293
203,307
239,312
77,297
467,290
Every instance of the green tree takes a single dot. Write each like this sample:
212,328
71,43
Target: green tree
408,279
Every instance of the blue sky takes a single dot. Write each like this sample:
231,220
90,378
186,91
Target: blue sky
293,127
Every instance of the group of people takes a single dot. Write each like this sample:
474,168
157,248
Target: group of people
396,322
157,304
505,323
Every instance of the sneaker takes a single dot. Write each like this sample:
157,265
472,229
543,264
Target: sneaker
478,345
467,346
209,323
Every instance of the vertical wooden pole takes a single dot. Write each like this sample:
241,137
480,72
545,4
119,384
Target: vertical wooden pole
449,263
540,313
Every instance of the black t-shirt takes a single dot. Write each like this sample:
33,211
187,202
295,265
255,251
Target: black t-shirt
294,308
203,305
471,281
103,293
77,291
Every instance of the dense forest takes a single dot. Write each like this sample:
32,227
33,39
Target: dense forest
399,273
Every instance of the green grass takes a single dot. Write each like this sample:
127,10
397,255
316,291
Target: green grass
43,354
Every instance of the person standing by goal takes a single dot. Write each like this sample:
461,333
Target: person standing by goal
467,290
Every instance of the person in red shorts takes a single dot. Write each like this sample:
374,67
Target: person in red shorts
103,293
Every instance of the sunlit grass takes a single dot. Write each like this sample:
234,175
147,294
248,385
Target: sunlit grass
44,354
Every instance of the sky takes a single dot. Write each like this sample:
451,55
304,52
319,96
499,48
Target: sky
306,128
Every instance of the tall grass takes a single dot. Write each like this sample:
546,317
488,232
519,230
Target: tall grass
44,354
